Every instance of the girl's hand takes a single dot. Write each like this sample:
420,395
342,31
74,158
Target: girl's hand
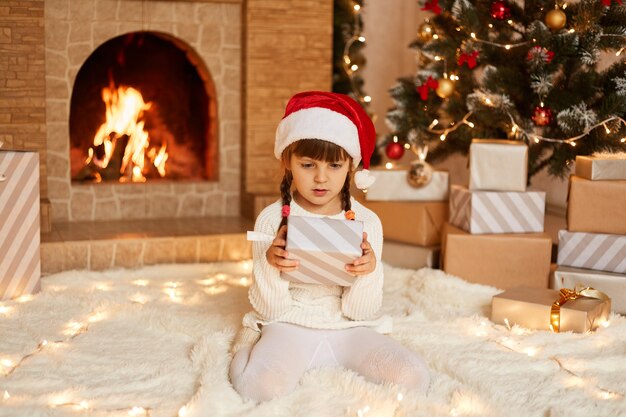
277,256
366,263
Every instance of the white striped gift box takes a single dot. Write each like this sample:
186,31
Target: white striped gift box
596,251
323,246
480,212
20,265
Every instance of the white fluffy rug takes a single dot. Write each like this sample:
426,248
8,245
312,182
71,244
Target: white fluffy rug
157,339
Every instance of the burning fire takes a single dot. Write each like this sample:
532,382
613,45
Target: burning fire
124,109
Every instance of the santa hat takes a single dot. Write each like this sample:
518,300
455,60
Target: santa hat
334,118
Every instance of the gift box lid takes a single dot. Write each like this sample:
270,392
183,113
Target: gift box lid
323,234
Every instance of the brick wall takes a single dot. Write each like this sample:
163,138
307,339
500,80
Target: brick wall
22,78
288,48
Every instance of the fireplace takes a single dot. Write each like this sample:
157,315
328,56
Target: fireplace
141,110
180,61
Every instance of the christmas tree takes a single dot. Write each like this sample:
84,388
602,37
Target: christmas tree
523,70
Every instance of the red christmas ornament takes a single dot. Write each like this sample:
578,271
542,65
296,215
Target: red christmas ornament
500,10
433,6
394,150
468,58
542,116
607,3
429,84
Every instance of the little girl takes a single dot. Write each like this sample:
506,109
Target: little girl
294,326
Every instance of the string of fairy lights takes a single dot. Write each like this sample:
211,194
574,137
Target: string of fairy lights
212,285
516,130
349,67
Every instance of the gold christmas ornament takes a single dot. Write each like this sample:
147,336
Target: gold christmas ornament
419,174
445,88
556,19
426,31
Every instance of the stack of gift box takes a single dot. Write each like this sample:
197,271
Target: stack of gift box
592,252
495,232
412,218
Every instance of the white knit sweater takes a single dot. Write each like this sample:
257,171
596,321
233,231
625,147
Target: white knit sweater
312,305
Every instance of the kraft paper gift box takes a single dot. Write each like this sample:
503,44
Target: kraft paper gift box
414,222
596,251
404,255
602,167
392,185
20,265
596,206
498,165
531,308
323,246
502,260
613,285
481,212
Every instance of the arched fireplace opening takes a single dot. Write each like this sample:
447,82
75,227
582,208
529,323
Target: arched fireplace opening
143,108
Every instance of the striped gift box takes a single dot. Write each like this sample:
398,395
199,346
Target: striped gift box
323,246
592,251
20,265
480,212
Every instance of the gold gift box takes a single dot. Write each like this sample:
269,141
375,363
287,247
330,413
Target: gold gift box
531,308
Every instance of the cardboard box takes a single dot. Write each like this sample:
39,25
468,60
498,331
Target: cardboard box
20,265
392,185
323,246
593,251
596,206
414,222
480,212
602,167
502,261
531,308
403,255
498,165
613,285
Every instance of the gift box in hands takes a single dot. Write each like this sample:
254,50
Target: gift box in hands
323,246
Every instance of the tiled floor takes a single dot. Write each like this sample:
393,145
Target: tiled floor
135,243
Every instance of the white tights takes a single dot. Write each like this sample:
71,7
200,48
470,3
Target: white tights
275,364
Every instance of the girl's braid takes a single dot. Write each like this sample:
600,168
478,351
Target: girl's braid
345,194
285,192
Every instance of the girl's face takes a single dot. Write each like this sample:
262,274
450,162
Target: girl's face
318,183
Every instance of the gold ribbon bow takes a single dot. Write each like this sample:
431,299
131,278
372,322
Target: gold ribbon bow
565,295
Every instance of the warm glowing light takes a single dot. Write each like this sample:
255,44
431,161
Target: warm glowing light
488,101
407,146
24,298
96,317
435,36
438,58
607,130
400,396
395,139
361,38
182,412
572,143
6,395
442,137
7,309
531,351
139,298
141,282
618,53
623,140
388,165
244,282
7,363
510,22
367,99
571,31
536,140
507,47
357,7
103,286
433,123
124,110
137,411
473,35
83,405
354,67
471,124
514,129
44,342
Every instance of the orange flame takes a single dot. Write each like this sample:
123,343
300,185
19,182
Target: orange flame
124,108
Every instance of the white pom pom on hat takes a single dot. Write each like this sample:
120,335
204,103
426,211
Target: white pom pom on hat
332,117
